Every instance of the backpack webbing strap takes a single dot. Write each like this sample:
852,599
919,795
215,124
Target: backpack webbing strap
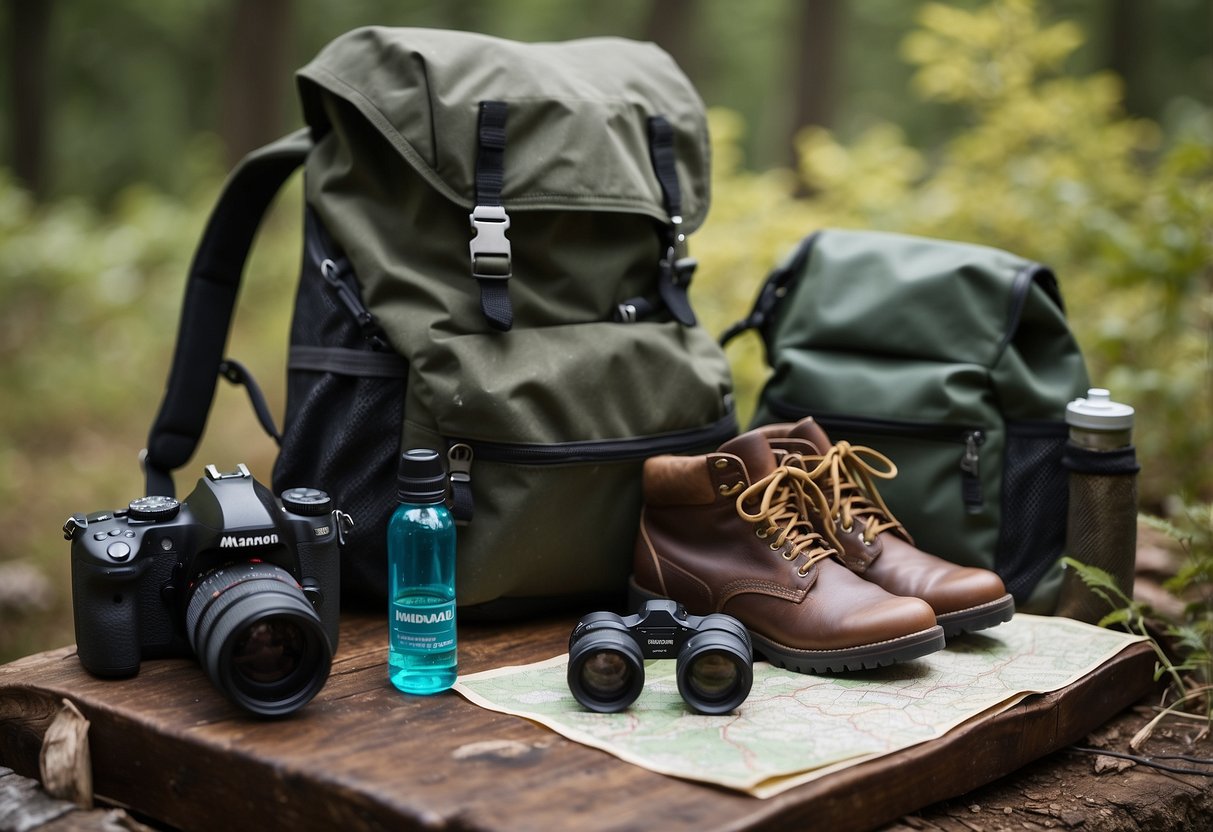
661,152
490,248
210,298
676,268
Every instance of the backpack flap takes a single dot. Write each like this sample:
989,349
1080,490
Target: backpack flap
577,123
498,127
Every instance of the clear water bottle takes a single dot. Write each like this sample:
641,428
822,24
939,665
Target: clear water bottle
1101,522
421,559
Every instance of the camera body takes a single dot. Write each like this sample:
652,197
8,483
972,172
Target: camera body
135,570
607,653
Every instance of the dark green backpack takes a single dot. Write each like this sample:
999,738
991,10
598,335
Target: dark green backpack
494,267
956,362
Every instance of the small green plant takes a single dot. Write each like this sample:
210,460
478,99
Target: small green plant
1190,692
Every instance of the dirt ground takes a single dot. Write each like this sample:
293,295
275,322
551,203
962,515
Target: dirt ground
1075,790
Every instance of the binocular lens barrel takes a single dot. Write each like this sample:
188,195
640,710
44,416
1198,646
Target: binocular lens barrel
606,671
715,672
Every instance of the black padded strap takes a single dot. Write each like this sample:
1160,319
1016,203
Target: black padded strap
210,298
490,248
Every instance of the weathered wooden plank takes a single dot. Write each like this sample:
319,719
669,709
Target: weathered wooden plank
23,804
363,756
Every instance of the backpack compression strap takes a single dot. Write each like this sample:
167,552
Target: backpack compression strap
490,248
676,267
210,298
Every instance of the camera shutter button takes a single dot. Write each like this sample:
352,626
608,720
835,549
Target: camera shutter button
118,550
310,502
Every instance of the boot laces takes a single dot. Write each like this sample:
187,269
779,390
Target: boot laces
786,499
846,471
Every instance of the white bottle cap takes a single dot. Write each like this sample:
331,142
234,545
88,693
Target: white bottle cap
1098,412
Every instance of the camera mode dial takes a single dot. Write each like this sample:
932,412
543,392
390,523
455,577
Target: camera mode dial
153,508
310,502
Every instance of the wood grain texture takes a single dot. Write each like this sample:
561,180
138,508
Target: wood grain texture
362,756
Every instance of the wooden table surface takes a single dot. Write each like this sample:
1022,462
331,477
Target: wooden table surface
363,756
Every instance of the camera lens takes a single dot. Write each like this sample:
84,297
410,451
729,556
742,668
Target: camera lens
606,669
269,651
716,666
258,638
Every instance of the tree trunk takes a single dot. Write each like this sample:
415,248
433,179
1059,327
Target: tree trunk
29,31
671,25
1129,23
816,32
255,75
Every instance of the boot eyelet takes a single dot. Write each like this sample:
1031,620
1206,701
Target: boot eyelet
730,490
867,542
762,532
775,547
848,528
721,463
802,573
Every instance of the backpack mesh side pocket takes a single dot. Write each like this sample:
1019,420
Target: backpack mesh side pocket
1035,492
344,409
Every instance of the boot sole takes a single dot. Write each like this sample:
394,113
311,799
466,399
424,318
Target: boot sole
981,617
864,657
843,660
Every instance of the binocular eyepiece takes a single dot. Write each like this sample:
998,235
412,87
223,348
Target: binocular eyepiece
607,652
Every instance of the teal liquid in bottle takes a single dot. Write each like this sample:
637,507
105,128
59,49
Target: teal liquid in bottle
421,560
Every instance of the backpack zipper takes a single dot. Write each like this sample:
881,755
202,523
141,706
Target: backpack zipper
970,436
462,453
338,275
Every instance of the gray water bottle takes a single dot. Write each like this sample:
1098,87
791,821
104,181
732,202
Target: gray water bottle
1101,522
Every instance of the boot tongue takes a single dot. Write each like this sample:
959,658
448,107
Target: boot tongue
755,451
810,431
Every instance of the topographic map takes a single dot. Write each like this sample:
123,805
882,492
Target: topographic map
794,728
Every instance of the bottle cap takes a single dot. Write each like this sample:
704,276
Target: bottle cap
1098,412
421,477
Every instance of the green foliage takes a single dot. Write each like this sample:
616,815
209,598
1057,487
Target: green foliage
1049,167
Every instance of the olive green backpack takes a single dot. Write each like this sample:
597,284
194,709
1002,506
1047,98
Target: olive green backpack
956,362
494,267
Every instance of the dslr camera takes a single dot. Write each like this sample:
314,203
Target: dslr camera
607,652
246,582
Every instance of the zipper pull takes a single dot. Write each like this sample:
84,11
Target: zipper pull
970,468
334,274
459,460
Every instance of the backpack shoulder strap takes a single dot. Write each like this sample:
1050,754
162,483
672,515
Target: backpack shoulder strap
210,298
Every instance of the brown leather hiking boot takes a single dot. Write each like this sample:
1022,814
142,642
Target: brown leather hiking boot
729,532
872,543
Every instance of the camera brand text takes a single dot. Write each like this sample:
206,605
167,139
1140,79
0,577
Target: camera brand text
231,541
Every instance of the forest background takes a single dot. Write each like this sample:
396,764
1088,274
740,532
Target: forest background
1078,133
